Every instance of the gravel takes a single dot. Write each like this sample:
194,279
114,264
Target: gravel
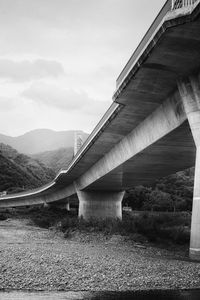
38,259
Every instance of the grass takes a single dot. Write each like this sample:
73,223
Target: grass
171,227
162,227
3,216
156,228
39,216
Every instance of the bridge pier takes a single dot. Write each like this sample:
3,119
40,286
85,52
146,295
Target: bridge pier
46,205
190,94
100,205
67,206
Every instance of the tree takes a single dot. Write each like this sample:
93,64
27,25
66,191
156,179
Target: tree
137,196
158,201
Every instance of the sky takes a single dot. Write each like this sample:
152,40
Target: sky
59,59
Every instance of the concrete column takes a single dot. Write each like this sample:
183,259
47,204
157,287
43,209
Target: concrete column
100,205
68,206
195,226
190,94
46,205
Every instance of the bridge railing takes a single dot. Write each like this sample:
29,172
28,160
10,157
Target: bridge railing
176,4
165,9
170,5
28,192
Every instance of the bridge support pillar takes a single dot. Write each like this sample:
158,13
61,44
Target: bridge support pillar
46,205
67,206
190,94
100,205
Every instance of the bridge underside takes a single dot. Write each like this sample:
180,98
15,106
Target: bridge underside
171,55
172,153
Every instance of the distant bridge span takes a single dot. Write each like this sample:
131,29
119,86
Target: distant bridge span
151,130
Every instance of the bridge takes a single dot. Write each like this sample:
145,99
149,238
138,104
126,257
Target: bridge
151,130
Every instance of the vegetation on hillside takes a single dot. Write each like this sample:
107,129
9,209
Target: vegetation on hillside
19,172
172,193
40,140
56,159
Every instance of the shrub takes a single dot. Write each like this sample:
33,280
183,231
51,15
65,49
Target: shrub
164,226
3,217
45,217
154,227
68,223
107,226
151,225
180,235
128,225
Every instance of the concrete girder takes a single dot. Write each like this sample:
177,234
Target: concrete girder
22,201
167,117
58,195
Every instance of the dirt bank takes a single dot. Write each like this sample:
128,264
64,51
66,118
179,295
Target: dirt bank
40,259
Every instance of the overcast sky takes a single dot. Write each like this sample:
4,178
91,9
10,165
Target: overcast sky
59,59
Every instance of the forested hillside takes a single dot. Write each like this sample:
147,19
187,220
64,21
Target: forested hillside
19,172
56,159
40,140
171,193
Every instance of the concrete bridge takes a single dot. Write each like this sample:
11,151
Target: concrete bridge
151,130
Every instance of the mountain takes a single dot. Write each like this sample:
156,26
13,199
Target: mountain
41,140
55,159
20,172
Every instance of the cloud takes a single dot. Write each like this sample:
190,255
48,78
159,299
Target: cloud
63,99
7,103
22,71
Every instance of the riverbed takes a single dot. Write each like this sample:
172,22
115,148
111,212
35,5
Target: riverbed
38,259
